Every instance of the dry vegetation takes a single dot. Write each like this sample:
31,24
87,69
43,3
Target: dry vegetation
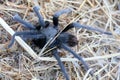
101,52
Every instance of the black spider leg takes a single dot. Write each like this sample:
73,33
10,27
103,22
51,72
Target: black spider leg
56,55
41,20
20,20
78,25
57,14
26,34
64,46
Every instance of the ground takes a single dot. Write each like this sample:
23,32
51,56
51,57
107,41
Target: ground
100,51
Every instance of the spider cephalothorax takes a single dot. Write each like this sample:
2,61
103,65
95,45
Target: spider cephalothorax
45,31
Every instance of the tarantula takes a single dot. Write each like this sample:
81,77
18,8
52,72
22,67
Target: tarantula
45,31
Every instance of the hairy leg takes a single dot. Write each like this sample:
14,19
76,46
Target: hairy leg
41,20
57,14
20,20
76,56
56,55
78,25
26,34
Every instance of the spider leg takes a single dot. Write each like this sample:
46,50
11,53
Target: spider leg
77,56
26,34
57,14
41,20
78,25
56,55
20,20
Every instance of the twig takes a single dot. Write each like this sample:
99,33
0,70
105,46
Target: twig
86,59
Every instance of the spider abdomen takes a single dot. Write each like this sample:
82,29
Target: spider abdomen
68,39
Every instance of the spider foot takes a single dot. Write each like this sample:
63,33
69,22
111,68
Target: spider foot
26,34
20,20
78,25
77,56
41,20
56,55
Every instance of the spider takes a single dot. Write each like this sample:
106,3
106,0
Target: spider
45,31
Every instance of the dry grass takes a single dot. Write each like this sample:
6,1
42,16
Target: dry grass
102,52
